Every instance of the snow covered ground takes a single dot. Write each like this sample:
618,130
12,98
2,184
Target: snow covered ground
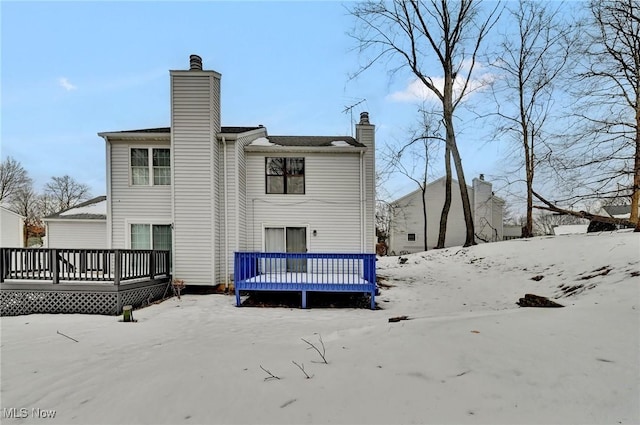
468,354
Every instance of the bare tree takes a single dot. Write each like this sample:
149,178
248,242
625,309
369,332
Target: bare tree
545,222
530,61
418,33
25,203
64,192
414,155
13,179
605,152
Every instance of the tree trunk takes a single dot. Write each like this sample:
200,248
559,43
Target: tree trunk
528,163
447,109
581,214
442,234
635,195
424,213
466,205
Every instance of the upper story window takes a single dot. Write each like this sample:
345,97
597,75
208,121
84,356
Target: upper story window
285,175
150,167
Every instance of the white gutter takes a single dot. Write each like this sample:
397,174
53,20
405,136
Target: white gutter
226,220
109,207
237,197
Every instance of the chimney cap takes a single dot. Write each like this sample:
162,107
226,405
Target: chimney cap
482,177
364,118
195,63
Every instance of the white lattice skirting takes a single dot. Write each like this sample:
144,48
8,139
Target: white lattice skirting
15,302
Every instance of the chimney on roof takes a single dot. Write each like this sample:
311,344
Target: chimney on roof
482,177
195,63
364,118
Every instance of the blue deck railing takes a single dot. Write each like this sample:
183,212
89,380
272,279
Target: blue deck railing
305,272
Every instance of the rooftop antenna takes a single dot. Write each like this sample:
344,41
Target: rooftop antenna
349,109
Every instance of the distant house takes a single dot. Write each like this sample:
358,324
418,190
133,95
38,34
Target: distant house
406,230
83,226
11,228
511,231
570,229
618,211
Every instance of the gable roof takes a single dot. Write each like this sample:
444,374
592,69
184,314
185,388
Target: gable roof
618,210
93,209
167,130
302,141
8,210
454,182
314,141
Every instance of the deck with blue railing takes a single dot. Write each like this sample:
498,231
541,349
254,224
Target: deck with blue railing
305,272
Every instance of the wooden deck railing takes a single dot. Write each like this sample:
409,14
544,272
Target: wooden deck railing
85,265
305,272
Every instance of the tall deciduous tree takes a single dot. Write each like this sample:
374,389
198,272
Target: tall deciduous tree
530,60
13,179
64,192
607,152
418,34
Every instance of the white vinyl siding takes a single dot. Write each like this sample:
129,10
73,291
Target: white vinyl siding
78,234
131,202
330,204
407,218
12,228
195,121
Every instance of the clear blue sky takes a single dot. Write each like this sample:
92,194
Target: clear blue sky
73,69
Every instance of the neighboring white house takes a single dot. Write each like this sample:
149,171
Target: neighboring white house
406,228
83,226
11,229
570,229
511,231
205,191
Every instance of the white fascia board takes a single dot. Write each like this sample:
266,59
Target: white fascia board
79,220
235,136
119,136
195,71
13,212
311,149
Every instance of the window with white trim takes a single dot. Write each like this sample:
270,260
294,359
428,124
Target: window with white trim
285,175
150,166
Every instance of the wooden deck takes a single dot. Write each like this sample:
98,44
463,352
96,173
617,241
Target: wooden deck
305,272
80,281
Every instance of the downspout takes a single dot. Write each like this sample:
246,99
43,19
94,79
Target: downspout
109,209
237,196
226,220
362,207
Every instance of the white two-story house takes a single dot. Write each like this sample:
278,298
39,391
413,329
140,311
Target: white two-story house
406,234
205,191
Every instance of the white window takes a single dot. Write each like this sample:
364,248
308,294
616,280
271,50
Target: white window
150,166
285,175
151,236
